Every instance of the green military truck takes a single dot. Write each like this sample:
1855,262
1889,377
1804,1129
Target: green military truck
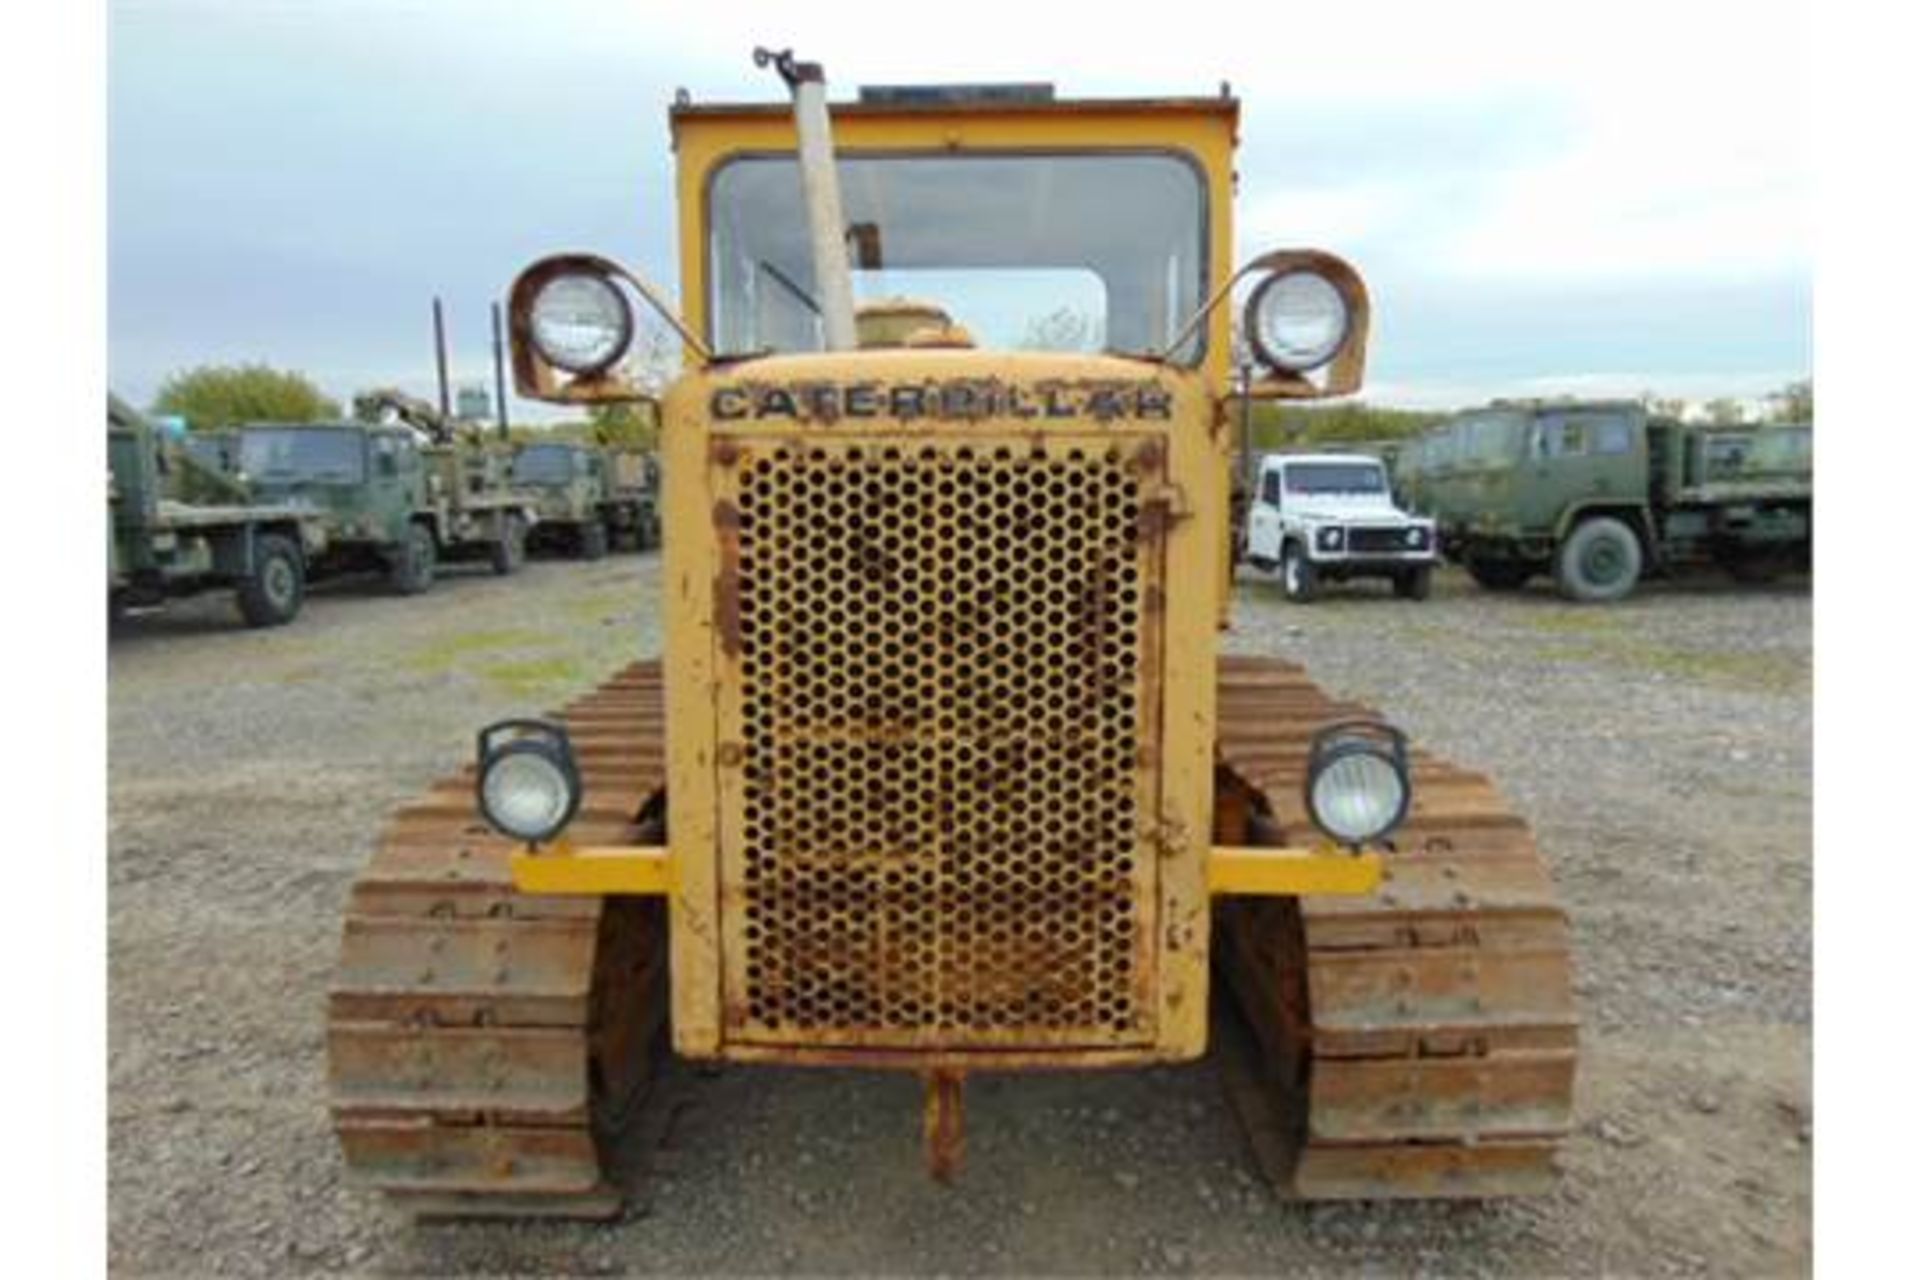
589,496
177,527
1597,494
392,499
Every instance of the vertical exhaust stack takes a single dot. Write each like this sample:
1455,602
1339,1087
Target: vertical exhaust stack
825,224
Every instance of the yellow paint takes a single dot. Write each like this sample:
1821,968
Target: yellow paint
1202,129
1255,872
562,868
1188,483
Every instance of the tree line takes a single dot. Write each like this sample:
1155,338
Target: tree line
214,397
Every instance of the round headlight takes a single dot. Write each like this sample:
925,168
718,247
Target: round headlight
529,786
1297,320
581,323
1416,536
1331,537
1358,787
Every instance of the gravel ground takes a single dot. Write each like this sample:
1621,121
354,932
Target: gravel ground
1662,749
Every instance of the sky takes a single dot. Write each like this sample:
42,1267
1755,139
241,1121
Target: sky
1544,198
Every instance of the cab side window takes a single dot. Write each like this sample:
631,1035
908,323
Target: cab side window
1612,437
386,455
1585,435
1270,487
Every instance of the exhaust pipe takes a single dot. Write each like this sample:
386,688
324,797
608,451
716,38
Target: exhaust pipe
826,226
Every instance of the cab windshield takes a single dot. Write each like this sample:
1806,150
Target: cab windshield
303,453
1089,252
543,464
1336,477
1781,450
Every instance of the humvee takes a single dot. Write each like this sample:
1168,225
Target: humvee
943,771
1596,493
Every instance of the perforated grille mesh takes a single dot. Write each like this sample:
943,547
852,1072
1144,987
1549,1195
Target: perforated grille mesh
942,655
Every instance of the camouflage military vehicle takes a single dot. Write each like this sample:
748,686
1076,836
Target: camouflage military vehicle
589,497
177,527
391,500
1599,493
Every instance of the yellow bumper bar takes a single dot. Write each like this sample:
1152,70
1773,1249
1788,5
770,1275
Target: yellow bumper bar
1232,871
1261,872
622,869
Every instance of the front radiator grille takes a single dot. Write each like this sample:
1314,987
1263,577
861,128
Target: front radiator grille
942,696
1375,538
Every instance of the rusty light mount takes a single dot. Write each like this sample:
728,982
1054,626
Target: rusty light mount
536,376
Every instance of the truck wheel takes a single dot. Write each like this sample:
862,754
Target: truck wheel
1297,576
593,540
412,571
1413,584
1599,561
510,549
1500,575
272,596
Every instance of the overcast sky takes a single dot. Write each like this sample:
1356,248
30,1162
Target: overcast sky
1544,197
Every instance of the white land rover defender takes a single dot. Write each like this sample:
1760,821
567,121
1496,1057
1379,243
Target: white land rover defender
1327,517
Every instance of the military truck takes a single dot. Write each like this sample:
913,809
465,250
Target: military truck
391,500
1329,517
943,771
177,527
1599,493
588,497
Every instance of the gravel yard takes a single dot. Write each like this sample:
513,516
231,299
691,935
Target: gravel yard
1661,748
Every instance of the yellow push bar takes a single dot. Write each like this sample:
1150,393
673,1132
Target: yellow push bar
1232,871
620,869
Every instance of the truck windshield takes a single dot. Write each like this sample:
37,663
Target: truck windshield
1782,449
1336,477
303,453
543,464
1050,252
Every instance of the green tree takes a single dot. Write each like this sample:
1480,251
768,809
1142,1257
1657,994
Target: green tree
1791,403
1725,412
215,396
636,425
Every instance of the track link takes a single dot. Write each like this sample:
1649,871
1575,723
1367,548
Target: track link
1420,1041
484,1046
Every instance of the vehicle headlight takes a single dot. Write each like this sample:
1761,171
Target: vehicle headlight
1297,320
1331,538
1416,537
1359,786
529,786
580,322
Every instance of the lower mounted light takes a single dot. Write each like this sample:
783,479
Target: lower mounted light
1359,785
529,785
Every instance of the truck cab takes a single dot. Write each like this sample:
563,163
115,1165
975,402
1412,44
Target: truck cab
1328,517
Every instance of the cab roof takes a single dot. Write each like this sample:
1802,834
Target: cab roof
970,100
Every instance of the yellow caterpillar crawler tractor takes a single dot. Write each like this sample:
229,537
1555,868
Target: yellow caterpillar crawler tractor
942,769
